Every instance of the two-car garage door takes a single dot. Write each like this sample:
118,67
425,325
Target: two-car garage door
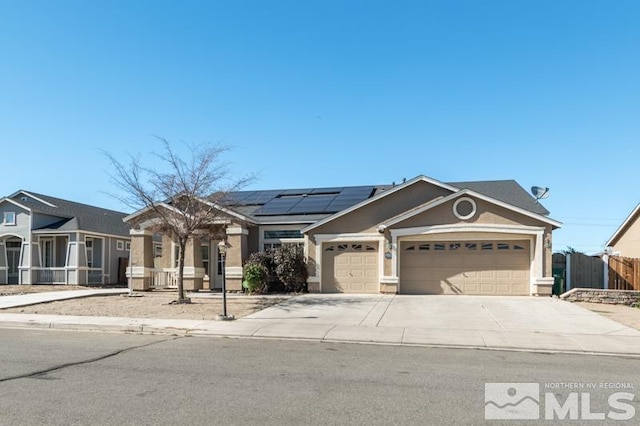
465,267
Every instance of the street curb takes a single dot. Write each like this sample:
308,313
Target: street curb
195,332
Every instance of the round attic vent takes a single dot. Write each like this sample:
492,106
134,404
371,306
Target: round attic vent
464,208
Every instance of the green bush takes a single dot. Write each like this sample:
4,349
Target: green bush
255,277
291,267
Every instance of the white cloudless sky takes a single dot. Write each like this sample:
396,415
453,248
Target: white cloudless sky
332,93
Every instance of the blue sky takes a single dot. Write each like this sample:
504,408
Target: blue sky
327,93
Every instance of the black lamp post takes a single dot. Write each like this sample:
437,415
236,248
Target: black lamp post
222,249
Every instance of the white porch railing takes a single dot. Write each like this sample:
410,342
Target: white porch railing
95,276
164,278
59,275
49,276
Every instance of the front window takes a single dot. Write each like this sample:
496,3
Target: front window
9,218
205,258
274,238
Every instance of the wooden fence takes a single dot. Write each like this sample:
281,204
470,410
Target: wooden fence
624,273
578,270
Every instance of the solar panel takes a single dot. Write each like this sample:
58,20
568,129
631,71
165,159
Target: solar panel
312,204
296,191
315,200
334,191
278,206
260,197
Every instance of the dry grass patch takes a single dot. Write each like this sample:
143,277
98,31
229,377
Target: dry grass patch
151,305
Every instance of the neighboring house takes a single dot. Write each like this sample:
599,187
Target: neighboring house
46,240
420,237
626,240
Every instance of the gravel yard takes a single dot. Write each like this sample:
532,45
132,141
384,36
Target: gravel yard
204,306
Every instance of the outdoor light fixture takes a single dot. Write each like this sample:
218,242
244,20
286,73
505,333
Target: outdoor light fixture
222,250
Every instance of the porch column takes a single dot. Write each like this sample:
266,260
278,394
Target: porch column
140,272
4,279
237,253
29,258
76,266
193,270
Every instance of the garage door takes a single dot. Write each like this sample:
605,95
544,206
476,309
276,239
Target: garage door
465,267
350,268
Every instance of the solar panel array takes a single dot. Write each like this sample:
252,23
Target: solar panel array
302,201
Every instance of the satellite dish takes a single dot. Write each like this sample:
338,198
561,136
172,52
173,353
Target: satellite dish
539,192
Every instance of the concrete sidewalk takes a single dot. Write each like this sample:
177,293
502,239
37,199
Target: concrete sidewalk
17,300
486,323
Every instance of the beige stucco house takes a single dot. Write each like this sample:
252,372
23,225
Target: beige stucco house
626,240
420,237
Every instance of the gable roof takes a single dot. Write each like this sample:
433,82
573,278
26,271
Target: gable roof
378,196
168,206
71,216
506,193
441,200
622,228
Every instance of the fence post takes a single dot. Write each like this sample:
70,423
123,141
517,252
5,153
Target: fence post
568,257
605,260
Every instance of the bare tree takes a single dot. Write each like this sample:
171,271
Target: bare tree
184,196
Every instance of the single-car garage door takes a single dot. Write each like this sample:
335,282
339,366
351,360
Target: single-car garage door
465,267
350,268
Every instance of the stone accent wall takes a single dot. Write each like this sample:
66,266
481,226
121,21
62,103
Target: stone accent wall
613,297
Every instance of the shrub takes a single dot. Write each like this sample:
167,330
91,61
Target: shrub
291,267
255,277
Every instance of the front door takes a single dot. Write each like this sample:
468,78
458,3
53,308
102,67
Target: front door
13,261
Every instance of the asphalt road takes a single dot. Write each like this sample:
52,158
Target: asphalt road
77,378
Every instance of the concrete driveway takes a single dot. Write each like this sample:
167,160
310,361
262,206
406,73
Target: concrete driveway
528,323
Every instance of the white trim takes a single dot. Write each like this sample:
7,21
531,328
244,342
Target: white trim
15,203
138,232
474,208
442,200
285,222
624,224
82,231
382,194
28,194
119,245
321,239
169,207
535,235
233,272
237,230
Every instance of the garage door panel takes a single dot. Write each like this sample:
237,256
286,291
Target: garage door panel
350,268
474,267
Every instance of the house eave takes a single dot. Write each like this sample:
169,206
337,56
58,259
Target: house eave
617,234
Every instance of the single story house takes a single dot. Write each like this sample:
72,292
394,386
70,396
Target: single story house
419,237
626,240
47,240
